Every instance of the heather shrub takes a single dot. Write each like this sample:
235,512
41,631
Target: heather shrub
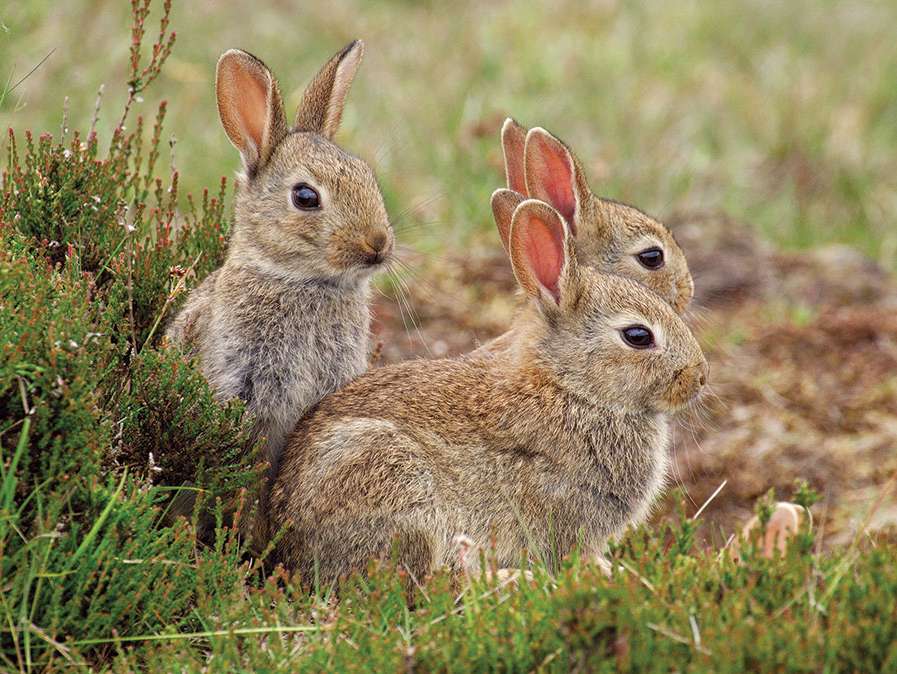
99,426
173,429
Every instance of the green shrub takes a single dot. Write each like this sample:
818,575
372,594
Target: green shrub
94,256
172,426
663,609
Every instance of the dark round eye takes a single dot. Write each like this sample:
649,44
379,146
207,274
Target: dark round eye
651,258
305,197
638,337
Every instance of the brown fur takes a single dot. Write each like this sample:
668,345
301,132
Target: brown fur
285,320
559,439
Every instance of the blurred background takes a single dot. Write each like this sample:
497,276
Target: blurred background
763,132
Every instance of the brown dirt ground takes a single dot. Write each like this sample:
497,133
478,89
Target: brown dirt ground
803,353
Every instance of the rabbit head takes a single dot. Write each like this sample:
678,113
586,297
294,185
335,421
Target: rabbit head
611,236
606,338
305,208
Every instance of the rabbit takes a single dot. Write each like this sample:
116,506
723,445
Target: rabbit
610,236
561,438
285,320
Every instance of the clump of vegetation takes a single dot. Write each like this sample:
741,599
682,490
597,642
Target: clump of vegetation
100,425
668,606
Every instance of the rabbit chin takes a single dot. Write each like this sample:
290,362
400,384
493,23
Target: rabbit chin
357,273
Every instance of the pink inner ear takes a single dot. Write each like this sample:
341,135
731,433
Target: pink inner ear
552,177
544,248
252,107
243,101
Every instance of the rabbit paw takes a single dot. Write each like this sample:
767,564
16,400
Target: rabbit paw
504,577
784,523
467,553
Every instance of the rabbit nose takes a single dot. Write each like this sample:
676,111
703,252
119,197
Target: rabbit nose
376,240
376,246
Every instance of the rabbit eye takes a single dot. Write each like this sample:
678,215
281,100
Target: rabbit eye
638,337
651,258
305,197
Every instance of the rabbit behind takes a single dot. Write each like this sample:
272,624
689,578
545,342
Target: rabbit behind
558,439
285,320
610,236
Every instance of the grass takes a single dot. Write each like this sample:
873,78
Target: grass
666,606
752,108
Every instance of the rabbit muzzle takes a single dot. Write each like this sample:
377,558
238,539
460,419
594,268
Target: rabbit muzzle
377,246
687,384
360,252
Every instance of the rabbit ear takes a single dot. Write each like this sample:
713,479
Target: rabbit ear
503,204
250,107
541,252
553,175
513,143
322,103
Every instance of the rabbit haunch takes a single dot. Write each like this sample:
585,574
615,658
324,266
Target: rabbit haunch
286,319
558,439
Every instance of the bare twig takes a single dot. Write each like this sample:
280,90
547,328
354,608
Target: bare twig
179,286
96,110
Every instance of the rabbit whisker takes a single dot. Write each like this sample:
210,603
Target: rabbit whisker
677,478
418,205
405,270
404,304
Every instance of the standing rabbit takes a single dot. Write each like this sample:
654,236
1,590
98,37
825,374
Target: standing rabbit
285,320
610,236
560,438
